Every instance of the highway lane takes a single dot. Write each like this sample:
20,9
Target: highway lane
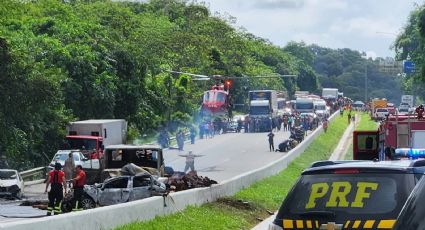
228,155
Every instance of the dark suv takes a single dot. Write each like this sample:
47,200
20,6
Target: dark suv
412,215
349,195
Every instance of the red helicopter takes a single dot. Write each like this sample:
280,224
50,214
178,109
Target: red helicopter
216,102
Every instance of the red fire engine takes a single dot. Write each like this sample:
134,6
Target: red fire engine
404,131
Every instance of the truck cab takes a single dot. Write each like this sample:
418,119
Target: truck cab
304,105
91,146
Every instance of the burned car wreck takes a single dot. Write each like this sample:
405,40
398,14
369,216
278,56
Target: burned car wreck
123,188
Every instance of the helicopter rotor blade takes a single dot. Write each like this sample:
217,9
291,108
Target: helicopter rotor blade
201,79
190,74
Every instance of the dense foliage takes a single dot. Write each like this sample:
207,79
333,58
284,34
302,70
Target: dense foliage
410,44
69,60
347,70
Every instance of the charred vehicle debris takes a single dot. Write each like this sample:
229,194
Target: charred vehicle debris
131,183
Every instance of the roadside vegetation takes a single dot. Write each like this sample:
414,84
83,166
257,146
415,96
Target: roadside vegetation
366,123
246,208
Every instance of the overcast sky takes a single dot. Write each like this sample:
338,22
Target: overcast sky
364,25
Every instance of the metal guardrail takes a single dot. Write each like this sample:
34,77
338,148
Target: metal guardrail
32,174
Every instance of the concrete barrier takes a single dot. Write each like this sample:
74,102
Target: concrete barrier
113,216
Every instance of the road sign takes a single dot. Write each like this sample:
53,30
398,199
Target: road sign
409,67
390,66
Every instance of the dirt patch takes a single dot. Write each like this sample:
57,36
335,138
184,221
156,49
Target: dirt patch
238,204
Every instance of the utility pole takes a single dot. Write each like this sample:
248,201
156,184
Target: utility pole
365,83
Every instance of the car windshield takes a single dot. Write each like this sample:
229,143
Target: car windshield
6,175
349,195
87,144
304,105
259,110
321,107
64,156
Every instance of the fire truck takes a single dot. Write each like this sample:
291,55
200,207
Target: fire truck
397,131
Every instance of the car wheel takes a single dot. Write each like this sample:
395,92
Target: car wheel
66,206
87,203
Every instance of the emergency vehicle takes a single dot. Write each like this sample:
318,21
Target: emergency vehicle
399,131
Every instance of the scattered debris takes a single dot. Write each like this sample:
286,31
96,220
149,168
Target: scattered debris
270,212
39,204
181,181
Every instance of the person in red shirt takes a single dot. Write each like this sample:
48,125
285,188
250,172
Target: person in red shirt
58,183
79,182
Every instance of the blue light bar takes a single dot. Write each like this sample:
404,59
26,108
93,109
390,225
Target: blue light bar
410,153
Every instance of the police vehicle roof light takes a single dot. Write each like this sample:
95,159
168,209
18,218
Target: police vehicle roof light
410,153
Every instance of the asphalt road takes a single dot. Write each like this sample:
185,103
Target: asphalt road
227,155
224,157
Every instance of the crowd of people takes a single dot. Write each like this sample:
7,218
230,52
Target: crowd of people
282,123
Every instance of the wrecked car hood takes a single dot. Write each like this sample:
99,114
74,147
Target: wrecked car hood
8,183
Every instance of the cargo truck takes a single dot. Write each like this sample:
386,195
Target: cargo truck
91,136
330,94
304,105
407,99
378,104
262,110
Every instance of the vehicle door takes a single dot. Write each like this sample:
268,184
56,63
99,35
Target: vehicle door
114,191
141,187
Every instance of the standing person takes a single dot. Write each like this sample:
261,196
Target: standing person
79,182
192,135
180,139
349,118
211,129
325,125
310,122
164,139
240,122
290,121
206,130
69,166
247,124
190,161
285,123
57,183
201,131
271,141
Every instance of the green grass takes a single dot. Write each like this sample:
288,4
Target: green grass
349,153
263,195
366,123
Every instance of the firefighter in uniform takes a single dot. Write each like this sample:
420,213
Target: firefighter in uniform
57,185
79,182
